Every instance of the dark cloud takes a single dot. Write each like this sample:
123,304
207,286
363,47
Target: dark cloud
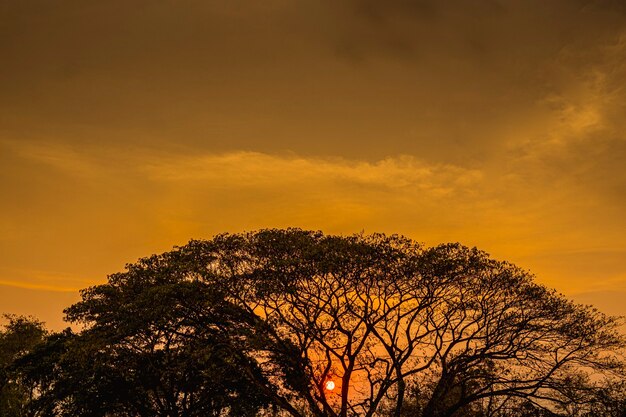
314,78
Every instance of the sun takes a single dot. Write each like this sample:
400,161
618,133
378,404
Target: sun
330,385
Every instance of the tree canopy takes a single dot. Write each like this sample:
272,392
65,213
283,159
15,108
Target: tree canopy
258,323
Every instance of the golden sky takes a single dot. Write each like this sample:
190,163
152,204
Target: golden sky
128,127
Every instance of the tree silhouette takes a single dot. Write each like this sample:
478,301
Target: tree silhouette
260,322
157,345
376,312
18,338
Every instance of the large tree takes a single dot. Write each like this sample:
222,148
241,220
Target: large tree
376,313
155,344
398,328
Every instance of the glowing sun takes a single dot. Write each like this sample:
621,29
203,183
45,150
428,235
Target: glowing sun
330,385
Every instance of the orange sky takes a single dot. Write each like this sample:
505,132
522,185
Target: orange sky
129,127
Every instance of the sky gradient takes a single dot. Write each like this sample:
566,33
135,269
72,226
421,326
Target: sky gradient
129,127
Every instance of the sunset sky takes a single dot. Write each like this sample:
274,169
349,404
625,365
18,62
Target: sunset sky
128,127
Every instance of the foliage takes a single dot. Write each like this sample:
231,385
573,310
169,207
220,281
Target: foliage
19,337
259,322
156,347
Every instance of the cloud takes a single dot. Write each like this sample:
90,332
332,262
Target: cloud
128,128
246,169
56,155
101,202
254,169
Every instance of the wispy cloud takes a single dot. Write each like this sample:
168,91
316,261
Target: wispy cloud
254,169
148,200
54,154
248,169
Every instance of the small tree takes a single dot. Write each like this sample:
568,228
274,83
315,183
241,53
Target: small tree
18,338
